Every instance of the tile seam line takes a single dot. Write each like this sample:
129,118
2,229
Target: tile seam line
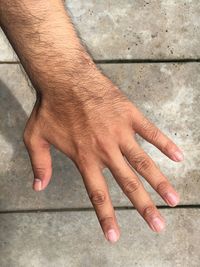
90,209
129,61
139,61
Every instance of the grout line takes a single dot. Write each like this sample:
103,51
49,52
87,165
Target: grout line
196,206
130,61
138,61
9,62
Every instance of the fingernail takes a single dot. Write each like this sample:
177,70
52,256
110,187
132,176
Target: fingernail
157,224
172,199
37,185
111,235
178,155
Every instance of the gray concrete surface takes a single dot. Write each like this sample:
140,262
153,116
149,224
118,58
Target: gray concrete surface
68,239
138,29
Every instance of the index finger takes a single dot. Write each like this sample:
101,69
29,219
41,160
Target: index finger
145,128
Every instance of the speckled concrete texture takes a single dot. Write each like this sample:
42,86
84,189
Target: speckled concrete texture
74,239
138,29
166,93
6,51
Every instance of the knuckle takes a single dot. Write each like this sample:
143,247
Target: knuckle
152,131
39,172
162,187
142,163
154,135
29,139
128,112
130,152
108,220
106,146
98,197
149,211
131,186
102,144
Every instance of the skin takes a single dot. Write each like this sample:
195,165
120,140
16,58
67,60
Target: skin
83,114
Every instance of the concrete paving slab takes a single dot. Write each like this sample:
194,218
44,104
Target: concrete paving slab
167,93
75,239
6,51
134,29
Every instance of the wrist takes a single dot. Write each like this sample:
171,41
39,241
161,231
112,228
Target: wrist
63,72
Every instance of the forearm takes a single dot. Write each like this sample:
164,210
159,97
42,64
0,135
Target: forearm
44,39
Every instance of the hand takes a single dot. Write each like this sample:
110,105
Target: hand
91,121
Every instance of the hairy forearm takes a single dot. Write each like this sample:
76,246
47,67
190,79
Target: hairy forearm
45,41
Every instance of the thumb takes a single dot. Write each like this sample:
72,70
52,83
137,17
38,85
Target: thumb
40,157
